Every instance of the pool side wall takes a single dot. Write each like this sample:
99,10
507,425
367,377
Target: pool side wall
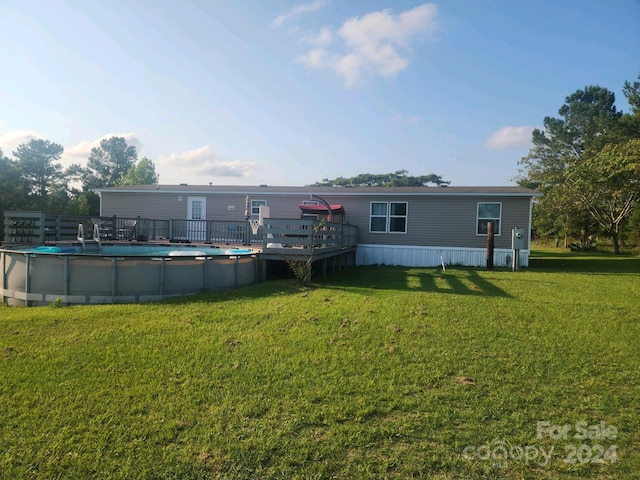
33,279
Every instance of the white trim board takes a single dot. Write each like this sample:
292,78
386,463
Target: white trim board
421,256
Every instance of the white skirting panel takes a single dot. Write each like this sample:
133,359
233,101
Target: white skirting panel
419,256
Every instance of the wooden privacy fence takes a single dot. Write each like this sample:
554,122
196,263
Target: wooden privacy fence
277,234
41,228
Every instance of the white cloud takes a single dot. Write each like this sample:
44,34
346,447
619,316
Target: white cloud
10,140
377,43
323,38
83,149
296,11
316,58
510,137
204,162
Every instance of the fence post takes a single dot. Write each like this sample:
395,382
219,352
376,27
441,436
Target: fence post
42,221
207,234
490,245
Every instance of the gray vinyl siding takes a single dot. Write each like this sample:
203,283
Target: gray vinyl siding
433,220
438,220
157,206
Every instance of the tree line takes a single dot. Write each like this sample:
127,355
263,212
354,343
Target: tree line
34,179
587,164
399,178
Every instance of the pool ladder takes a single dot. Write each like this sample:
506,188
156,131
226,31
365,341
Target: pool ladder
95,240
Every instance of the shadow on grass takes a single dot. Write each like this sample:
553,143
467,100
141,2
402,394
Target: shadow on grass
583,262
272,288
457,281
463,282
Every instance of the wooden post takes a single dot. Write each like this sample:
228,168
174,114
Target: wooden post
490,245
42,238
58,228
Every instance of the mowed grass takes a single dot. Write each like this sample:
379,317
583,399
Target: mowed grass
376,372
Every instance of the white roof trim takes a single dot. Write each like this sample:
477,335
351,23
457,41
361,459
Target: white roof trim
341,192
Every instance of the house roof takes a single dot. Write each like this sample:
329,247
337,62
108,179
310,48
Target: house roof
507,191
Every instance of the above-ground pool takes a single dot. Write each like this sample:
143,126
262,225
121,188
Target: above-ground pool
71,274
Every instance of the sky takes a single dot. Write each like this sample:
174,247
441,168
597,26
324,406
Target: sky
279,92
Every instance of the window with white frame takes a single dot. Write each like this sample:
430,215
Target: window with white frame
388,217
255,206
398,217
488,212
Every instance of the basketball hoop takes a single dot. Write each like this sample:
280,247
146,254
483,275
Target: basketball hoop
255,224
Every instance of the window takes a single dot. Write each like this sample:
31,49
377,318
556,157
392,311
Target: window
378,221
255,206
196,210
488,212
388,217
398,217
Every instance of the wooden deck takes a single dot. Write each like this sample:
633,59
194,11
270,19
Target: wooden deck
277,240
305,240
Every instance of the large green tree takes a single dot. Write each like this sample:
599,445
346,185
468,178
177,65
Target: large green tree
607,183
399,178
39,169
11,193
109,163
580,161
142,173
632,92
107,166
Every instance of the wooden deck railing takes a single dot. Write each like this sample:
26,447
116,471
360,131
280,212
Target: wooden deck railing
277,235
286,236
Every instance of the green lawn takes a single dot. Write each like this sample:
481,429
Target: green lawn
377,372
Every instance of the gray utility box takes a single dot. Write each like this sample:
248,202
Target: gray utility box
517,239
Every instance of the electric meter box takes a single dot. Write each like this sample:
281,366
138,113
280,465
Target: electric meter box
517,239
